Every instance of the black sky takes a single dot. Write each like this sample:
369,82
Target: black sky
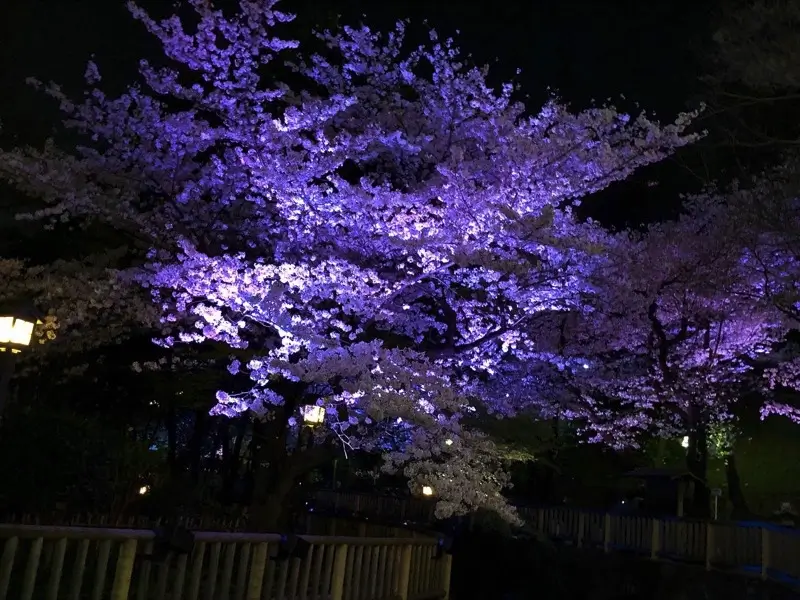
648,51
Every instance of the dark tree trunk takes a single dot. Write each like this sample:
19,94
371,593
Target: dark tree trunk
271,510
196,444
232,460
274,472
697,465
172,441
735,493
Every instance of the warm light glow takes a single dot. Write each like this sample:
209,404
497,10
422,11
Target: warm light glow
685,441
15,331
144,489
448,442
313,415
427,490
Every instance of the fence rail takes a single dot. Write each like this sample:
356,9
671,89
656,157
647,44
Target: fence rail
764,549
87,563
417,510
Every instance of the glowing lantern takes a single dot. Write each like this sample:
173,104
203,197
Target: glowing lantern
427,490
15,333
144,489
685,441
313,415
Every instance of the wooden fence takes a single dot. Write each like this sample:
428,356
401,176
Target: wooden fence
764,549
192,522
83,563
390,508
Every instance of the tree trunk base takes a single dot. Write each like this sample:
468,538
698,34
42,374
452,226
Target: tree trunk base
270,515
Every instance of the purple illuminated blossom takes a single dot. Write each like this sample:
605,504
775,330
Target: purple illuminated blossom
392,241
673,329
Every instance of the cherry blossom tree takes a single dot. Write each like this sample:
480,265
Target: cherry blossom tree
378,238
755,78
671,334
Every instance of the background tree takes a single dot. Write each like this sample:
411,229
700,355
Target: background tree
671,336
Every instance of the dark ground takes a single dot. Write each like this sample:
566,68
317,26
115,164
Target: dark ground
491,567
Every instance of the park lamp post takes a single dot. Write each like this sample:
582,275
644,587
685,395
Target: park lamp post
16,333
313,415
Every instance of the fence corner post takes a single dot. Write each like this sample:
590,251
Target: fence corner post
655,540
339,568
765,553
124,570
404,576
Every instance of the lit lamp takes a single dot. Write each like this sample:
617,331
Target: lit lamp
16,331
313,415
427,490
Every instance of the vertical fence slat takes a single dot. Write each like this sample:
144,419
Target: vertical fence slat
227,571
294,576
282,567
241,573
31,569
327,576
257,571
124,570
143,582
306,576
56,567
78,570
7,564
213,566
445,573
379,590
316,575
196,574
269,580
338,572
404,572
102,566
357,572
163,577
180,577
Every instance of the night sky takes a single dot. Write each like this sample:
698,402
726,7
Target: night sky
647,51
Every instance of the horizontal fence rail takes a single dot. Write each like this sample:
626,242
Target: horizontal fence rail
764,549
87,563
416,510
